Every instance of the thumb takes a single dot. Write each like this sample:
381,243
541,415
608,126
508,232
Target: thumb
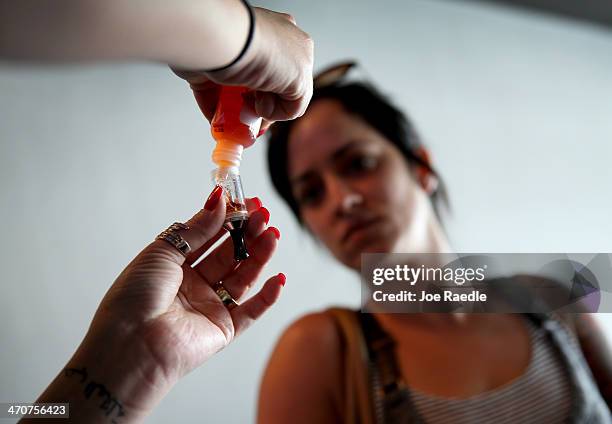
203,226
265,104
154,275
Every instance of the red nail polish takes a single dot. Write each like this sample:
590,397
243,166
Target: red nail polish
275,231
262,132
258,203
265,213
213,199
282,278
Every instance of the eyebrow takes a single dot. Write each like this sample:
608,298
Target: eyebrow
337,154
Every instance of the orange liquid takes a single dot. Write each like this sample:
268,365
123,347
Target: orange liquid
227,123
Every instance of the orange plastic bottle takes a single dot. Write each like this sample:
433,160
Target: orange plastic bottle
234,127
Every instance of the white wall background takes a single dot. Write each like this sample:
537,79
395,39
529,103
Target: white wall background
95,161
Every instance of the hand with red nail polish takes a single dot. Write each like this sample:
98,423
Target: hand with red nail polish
163,317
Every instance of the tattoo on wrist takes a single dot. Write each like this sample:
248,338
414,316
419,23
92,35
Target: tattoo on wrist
110,405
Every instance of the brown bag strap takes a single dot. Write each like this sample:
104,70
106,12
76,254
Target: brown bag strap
391,397
358,401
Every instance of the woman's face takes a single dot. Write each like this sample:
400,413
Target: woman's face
354,188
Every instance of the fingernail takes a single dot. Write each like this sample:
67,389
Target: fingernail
266,214
213,199
282,278
258,203
275,231
262,132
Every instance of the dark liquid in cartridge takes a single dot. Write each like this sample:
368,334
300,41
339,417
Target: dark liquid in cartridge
237,229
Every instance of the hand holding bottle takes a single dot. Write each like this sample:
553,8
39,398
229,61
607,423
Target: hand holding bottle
275,57
277,67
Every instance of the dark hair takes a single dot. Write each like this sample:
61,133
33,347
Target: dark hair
364,101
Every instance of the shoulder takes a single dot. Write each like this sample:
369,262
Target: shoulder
317,330
305,372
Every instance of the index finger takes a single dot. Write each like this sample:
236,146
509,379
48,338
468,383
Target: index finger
195,232
207,97
252,204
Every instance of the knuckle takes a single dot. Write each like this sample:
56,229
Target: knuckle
289,17
251,313
203,231
266,300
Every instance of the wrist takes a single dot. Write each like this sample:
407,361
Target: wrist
111,376
125,359
247,43
206,34
247,70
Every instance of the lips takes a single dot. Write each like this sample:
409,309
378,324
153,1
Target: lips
358,226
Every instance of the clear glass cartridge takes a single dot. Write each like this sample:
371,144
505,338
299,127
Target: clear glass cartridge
236,214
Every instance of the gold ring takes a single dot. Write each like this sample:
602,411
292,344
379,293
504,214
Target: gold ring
227,299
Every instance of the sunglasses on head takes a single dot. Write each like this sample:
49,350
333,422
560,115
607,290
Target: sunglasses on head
332,74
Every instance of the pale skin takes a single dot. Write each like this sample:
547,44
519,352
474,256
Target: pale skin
342,171
189,35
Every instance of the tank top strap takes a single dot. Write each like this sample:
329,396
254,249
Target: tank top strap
391,397
588,404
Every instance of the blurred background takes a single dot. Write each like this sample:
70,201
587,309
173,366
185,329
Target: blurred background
515,104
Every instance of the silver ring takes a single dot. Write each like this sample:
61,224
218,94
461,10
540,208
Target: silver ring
227,299
172,236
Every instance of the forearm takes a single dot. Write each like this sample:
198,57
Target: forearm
90,399
108,380
197,34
